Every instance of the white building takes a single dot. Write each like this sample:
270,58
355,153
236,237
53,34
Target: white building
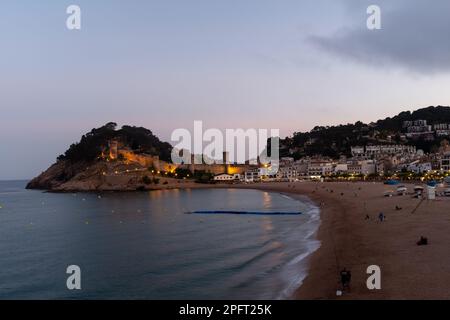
368,167
357,151
252,175
417,126
316,169
341,168
301,166
442,129
365,167
418,167
445,162
227,177
288,173
378,150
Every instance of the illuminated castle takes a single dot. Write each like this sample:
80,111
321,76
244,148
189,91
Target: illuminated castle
117,150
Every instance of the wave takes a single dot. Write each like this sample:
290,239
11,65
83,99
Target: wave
296,270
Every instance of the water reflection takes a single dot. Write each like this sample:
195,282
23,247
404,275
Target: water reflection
144,246
267,200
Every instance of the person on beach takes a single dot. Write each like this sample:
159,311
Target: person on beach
381,217
423,241
346,277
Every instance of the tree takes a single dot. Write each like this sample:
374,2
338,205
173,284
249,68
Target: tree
93,143
146,180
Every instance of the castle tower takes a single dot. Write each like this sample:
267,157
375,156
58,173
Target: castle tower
225,161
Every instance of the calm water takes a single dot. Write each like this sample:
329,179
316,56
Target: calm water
144,246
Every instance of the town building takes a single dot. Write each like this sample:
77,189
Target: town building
227,177
418,167
317,169
341,168
381,150
445,162
251,175
288,173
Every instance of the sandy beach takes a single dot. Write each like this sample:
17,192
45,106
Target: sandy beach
349,240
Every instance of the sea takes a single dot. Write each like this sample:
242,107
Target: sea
148,245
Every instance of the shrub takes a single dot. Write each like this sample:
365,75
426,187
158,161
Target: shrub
146,180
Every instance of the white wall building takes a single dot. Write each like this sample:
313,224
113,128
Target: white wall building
341,168
320,169
288,173
373,151
252,175
365,167
227,177
418,167
445,162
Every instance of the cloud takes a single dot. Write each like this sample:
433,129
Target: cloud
415,35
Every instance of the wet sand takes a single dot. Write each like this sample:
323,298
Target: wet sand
349,240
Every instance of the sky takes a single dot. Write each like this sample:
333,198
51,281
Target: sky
288,65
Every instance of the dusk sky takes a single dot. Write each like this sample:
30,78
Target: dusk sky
289,65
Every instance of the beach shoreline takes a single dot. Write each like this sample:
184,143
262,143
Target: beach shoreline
352,237
348,239
313,286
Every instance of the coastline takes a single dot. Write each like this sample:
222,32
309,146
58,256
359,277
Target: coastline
321,279
349,240
308,287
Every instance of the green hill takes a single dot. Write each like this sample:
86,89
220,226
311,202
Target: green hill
334,141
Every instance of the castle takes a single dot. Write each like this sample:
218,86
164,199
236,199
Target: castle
118,151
